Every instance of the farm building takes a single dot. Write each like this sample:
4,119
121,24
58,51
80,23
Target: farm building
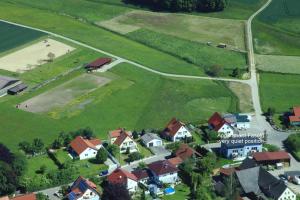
7,83
97,64
295,118
17,89
272,158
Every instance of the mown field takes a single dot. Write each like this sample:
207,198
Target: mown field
128,101
194,28
97,37
277,29
279,91
196,53
12,37
276,63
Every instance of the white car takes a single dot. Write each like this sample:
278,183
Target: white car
296,180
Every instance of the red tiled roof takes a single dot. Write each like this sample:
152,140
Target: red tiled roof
216,121
269,156
162,167
79,144
185,152
123,135
175,161
227,171
99,62
120,176
296,116
30,196
140,174
78,190
173,126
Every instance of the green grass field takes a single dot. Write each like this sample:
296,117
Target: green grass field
136,99
12,36
199,54
195,28
279,91
97,37
282,64
182,191
277,29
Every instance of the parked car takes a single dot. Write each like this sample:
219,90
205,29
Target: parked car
103,173
296,180
283,178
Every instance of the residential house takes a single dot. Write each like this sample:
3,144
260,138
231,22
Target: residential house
123,177
151,140
176,131
123,139
295,117
217,123
83,189
240,121
183,153
257,183
164,171
85,148
30,196
240,147
142,175
273,158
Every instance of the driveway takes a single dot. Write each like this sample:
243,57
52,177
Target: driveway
159,150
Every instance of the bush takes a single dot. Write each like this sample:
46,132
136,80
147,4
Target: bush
271,147
101,156
215,70
134,156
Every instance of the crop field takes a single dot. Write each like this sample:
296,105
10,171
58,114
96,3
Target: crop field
281,64
12,36
277,29
279,91
34,55
64,94
243,92
127,101
199,54
98,38
195,28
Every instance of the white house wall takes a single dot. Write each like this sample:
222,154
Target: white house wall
182,133
169,178
88,153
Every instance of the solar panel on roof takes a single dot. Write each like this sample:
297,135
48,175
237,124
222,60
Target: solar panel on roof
72,196
83,186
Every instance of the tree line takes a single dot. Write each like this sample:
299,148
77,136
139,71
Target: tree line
182,5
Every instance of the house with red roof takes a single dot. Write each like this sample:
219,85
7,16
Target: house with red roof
85,148
83,189
123,177
183,153
29,196
219,124
165,171
295,117
123,139
97,64
176,131
272,158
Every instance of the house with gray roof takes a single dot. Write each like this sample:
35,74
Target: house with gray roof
6,83
151,140
257,183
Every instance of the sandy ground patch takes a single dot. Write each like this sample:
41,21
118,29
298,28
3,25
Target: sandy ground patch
63,94
33,55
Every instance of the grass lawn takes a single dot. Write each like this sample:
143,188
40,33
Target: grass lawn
129,101
193,52
243,92
279,91
197,138
36,162
12,36
277,29
195,28
282,64
182,192
97,37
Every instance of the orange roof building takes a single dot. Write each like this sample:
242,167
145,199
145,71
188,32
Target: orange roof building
30,196
123,177
176,131
85,148
123,139
272,158
295,118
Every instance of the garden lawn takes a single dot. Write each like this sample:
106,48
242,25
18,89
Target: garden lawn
193,52
282,64
279,91
135,99
12,36
182,191
277,29
35,163
97,37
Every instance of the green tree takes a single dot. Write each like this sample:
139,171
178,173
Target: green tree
236,72
41,196
57,144
101,156
207,163
8,179
113,149
214,70
37,145
142,165
135,156
231,188
19,164
135,135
